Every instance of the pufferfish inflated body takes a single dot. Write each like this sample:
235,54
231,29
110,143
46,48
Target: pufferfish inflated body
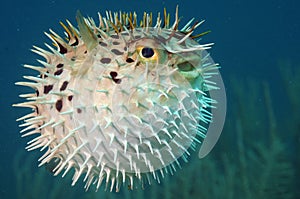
119,101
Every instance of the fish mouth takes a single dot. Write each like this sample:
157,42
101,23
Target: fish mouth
188,71
185,66
188,65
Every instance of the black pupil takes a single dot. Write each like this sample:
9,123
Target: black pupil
147,52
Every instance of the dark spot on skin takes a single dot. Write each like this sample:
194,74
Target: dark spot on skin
70,97
125,48
47,88
117,52
113,75
64,86
85,52
125,33
99,36
62,49
79,110
59,65
37,92
73,58
59,105
116,43
102,44
58,72
129,60
105,60
44,75
115,36
37,109
76,42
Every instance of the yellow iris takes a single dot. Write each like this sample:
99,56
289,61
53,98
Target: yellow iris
147,54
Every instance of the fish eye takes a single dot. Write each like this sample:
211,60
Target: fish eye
147,52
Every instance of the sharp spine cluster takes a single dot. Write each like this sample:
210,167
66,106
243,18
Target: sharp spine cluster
95,174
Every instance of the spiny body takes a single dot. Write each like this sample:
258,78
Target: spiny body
119,101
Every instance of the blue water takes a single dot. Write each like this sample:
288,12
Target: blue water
252,40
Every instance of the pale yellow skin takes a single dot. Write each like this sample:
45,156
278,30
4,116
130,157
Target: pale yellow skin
112,112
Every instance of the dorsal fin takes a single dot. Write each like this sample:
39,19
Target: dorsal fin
87,34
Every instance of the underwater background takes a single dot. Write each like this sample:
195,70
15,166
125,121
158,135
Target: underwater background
257,44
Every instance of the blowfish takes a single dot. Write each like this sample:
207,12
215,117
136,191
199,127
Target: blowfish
119,102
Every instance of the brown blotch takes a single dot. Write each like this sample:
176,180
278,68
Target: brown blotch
102,44
114,75
79,110
64,86
58,72
116,43
70,97
129,60
48,88
76,42
117,52
115,36
37,109
59,105
59,65
62,49
44,75
105,60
